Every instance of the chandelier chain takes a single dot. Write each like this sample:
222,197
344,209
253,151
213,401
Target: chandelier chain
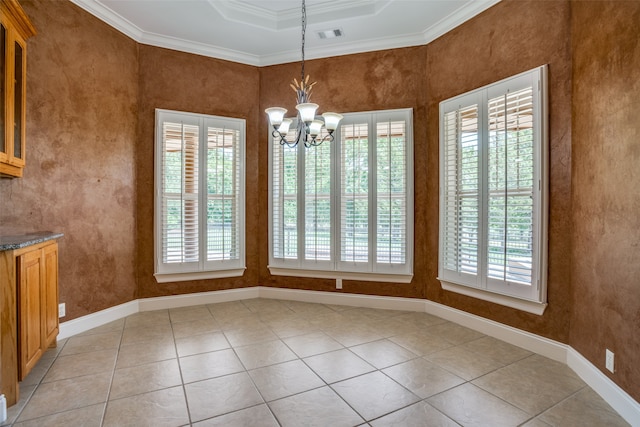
304,30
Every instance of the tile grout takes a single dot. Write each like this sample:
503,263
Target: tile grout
113,374
386,337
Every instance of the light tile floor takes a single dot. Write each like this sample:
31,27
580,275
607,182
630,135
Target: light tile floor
265,362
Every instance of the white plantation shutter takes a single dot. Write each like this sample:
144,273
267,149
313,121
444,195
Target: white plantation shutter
376,193
284,200
224,197
317,202
199,194
510,187
391,187
348,203
460,180
354,192
493,188
180,243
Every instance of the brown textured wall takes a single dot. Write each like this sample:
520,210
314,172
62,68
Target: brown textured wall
606,183
363,82
80,173
184,82
511,37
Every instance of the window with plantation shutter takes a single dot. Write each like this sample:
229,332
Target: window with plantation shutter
199,203
344,209
493,192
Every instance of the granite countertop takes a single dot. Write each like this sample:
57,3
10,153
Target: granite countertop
18,241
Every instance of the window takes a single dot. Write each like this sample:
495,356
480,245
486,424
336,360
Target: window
493,192
199,203
344,209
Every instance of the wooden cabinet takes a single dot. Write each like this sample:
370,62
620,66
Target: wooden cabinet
28,305
37,304
15,29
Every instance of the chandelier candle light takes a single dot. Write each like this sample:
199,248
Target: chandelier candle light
309,126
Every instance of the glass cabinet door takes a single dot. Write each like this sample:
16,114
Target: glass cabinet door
18,100
15,29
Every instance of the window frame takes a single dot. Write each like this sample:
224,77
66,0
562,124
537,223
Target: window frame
335,268
203,268
531,298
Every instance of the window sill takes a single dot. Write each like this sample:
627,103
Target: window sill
533,307
344,275
199,275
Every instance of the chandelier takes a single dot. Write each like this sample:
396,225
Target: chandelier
309,127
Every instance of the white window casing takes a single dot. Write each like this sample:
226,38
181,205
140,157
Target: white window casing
199,210
494,192
344,209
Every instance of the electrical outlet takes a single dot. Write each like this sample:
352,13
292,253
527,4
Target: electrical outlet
609,359
338,283
62,310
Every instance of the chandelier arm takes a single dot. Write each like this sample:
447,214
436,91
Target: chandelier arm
314,141
300,136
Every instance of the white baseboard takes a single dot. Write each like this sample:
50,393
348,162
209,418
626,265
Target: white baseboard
99,318
340,298
186,300
532,342
619,400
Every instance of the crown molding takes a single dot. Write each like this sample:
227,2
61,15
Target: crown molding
250,14
197,48
327,51
108,16
456,18
330,49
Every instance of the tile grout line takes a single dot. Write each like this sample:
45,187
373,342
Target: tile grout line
301,392
560,401
518,407
113,374
184,387
260,316
37,385
264,401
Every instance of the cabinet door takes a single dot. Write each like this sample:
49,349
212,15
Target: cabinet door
50,296
15,29
31,270
19,110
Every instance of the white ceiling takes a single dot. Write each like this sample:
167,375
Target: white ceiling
267,32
